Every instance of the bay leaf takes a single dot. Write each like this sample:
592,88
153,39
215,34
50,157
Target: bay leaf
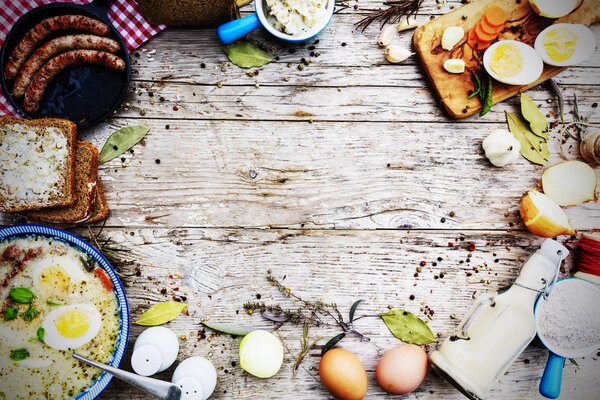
232,329
537,121
246,55
161,313
407,327
121,141
533,147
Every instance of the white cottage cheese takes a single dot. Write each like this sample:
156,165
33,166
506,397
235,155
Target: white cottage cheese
298,17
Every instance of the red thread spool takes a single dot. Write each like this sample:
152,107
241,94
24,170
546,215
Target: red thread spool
588,257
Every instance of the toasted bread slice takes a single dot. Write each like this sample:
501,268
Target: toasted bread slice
100,207
86,176
37,163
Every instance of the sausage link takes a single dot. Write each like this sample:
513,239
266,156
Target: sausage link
38,85
45,28
57,46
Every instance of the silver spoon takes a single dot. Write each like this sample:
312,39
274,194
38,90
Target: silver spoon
161,389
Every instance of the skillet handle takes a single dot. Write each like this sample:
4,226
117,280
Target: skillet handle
551,380
232,31
101,3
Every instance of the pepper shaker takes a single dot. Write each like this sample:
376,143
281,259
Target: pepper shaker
154,351
196,377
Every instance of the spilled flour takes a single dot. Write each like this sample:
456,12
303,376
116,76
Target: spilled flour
570,318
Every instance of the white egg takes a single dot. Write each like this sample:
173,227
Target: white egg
562,45
71,326
57,274
513,62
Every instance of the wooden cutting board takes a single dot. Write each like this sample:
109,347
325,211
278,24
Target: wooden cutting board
452,89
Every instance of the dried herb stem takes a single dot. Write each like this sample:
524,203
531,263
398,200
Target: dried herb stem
304,350
393,13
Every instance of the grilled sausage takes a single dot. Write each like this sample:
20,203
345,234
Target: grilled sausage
42,30
38,85
54,47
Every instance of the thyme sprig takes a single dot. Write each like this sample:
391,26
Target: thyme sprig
113,254
393,13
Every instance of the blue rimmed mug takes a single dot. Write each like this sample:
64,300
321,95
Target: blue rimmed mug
232,31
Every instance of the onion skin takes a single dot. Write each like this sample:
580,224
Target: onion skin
538,223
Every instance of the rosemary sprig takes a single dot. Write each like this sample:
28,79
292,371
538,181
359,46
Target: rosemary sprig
110,252
395,11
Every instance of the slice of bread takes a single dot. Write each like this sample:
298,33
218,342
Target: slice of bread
86,176
100,207
37,161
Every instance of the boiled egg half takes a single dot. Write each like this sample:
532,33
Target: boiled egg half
71,326
55,275
513,62
562,45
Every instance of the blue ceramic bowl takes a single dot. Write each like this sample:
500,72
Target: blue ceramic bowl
234,30
19,231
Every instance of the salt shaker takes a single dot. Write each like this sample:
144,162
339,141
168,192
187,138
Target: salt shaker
154,351
197,378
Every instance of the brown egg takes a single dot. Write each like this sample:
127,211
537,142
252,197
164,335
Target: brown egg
402,369
343,375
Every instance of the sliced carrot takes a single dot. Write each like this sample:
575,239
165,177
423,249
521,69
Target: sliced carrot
495,16
104,278
475,43
487,28
482,36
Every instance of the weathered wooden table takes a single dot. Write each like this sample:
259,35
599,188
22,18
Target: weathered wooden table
340,178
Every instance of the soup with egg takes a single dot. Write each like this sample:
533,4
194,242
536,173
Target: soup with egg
54,302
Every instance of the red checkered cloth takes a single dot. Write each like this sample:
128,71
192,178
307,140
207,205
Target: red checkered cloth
124,14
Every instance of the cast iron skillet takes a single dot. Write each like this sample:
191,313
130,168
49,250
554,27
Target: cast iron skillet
86,94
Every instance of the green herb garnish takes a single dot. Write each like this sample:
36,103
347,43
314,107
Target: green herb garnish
11,313
30,314
486,97
53,304
21,295
19,354
41,332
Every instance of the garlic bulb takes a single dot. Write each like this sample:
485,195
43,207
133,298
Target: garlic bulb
395,53
451,36
590,147
501,147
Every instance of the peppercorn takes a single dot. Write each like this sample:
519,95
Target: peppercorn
423,263
452,213
439,258
443,220
411,297
157,161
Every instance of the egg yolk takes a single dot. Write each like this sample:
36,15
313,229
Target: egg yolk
54,279
507,60
72,324
560,44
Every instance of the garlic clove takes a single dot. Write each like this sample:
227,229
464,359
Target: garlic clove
570,183
451,36
386,36
408,23
395,53
454,65
543,217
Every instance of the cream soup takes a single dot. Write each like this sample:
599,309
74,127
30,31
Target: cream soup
54,302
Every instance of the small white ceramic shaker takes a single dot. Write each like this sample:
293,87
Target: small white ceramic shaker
197,378
154,351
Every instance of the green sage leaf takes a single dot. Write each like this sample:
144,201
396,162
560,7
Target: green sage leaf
121,141
407,327
534,116
29,314
353,309
41,332
246,55
19,354
21,295
11,313
332,342
533,147
231,329
161,313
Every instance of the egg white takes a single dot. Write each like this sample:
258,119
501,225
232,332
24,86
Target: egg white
533,66
585,45
57,341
